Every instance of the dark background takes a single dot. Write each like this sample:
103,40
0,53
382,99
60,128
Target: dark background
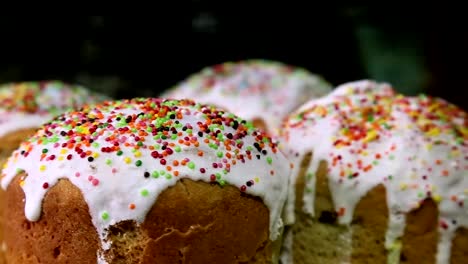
126,56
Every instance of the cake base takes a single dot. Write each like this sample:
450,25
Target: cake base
191,222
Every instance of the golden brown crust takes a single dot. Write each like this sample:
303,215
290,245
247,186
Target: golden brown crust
11,141
64,231
8,143
460,246
421,235
369,226
191,222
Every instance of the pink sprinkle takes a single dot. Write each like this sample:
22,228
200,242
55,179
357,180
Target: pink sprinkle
56,145
77,174
90,178
95,182
114,170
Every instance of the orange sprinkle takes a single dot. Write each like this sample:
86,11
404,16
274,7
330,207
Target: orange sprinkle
341,211
200,153
168,168
445,173
368,168
181,141
175,163
176,173
131,206
438,162
151,148
183,162
196,144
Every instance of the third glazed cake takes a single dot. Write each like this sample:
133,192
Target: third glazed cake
378,177
260,91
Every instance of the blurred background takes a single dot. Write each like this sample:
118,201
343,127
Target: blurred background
418,51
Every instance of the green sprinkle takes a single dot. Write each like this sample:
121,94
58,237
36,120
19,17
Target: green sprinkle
173,136
250,148
269,160
177,148
95,145
105,216
310,175
144,192
222,182
219,154
375,162
138,163
189,131
191,165
119,153
391,157
155,174
390,177
108,161
45,150
162,172
218,176
168,176
140,143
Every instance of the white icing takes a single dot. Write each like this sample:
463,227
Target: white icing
418,153
253,89
121,183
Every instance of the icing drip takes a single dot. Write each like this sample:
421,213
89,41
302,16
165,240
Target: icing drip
253,89
123,154
368,135
31,104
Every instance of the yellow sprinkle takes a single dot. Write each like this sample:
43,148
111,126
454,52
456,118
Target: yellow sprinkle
403,186
95,155
433,132
127,160
21,183
429,146
63,151
60,158
256,179
137,154
371,136
437,198
365,153
42,168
